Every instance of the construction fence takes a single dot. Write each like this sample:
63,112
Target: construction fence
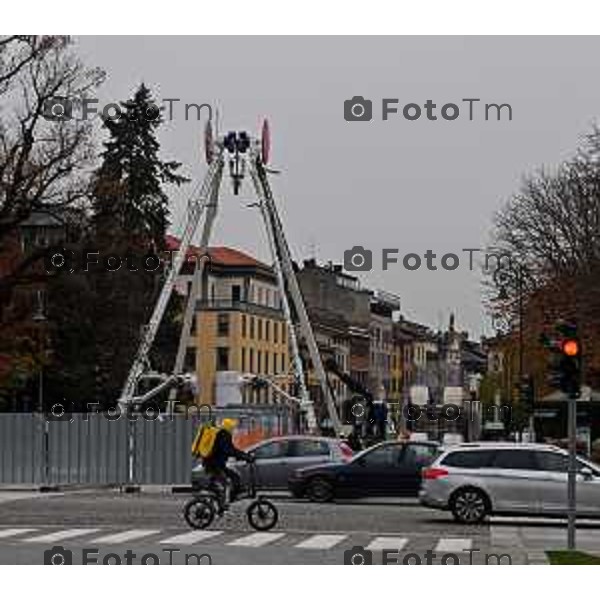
89,448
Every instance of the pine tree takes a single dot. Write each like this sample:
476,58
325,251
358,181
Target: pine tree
130,218
128,191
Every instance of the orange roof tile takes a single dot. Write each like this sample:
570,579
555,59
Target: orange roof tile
220,255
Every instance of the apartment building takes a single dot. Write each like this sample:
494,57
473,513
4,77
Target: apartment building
239,326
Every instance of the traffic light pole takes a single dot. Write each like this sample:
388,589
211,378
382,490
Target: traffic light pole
572,475
566,375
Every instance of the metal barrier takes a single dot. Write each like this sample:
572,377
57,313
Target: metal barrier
92,449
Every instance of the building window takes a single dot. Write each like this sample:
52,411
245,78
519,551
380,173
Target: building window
236,293
276,332
267,362
251,328
222,359
268,330
258,361
223,324
283,333
251,361
282,362
244,319
243,360
260,329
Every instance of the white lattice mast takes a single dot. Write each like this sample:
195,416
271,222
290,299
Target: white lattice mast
241,154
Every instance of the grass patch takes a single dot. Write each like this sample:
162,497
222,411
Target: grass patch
572,557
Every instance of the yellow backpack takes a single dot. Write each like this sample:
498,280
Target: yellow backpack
203,443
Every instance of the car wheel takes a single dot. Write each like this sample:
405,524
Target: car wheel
320,490
469,505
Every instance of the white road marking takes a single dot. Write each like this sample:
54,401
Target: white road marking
191,537
125,536
387,543
57,536
505,536
454,545
321,542
4,533
255,540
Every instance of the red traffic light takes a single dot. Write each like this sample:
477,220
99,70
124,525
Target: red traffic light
571,347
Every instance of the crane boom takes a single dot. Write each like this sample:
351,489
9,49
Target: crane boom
195,212
242,154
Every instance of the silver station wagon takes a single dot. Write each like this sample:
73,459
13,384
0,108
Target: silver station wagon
476,480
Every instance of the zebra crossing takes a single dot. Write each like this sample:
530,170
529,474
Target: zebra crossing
508,537
303,541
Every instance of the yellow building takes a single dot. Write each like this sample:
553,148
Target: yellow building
239,325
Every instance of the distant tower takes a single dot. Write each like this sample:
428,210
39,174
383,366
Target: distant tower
453,355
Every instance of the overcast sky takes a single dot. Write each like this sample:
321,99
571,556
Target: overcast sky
411,185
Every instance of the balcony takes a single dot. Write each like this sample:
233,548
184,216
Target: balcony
222,304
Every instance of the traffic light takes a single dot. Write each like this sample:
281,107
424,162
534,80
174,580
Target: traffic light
526,392
564,368
571,367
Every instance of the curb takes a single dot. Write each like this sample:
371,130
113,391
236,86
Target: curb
537,558
44,489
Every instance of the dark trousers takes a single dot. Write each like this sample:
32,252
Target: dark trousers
222,478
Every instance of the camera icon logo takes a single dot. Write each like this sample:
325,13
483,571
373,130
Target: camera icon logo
354,411
358,259
57,108
59,259
357,555
59,412
58,555
358,109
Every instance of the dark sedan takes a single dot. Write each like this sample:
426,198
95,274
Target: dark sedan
387,469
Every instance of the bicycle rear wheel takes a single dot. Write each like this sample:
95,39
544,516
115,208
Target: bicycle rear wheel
262,514
199,513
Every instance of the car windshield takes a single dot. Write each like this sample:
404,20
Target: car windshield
362,453
434,451
588,463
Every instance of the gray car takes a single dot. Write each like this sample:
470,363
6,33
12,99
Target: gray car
277,458
476,480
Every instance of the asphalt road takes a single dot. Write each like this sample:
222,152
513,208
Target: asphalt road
105,522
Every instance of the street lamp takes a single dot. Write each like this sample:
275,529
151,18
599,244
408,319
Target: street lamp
40,318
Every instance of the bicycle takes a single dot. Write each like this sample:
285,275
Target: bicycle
200,511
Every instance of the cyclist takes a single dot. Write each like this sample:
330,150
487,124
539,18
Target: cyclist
215,465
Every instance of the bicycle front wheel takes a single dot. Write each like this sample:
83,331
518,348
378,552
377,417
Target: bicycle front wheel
262,515
199,513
